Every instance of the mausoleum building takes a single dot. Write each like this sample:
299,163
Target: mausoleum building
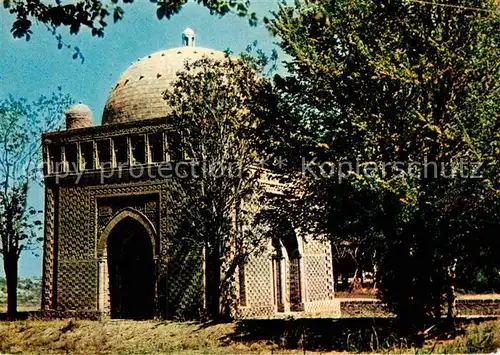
110,248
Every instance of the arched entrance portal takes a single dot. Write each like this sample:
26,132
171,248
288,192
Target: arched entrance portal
127,267
287,273
131,271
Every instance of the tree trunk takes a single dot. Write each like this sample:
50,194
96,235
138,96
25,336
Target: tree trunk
11,274
227,287
451,303
335,280
437,309
451,295
375,275
213,282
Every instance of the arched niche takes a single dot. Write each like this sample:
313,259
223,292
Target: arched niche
128,265
126,213
287,267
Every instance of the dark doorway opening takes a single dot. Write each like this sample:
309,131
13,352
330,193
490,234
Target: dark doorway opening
131,271
286,266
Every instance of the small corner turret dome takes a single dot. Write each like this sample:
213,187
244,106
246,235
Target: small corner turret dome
78,116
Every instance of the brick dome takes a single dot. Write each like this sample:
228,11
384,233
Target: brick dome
137,95
78,116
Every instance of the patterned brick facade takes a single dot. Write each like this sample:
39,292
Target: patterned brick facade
307,282
116,178
80,215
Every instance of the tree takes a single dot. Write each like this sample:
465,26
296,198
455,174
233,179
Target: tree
396,101
94,14
21,126
219,108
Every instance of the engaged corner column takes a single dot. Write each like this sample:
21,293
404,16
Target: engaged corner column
103,297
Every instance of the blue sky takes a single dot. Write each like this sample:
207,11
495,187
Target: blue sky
28,69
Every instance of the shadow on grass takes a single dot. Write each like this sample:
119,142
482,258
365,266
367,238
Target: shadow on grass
345,334
23,315
356,334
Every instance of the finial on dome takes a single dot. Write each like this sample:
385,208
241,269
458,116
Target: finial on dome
188,37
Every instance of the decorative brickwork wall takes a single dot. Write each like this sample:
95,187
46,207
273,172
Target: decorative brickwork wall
295,288
49,249
74,267
82,210
468,307
464,307
108,207
259,286
77,285
308,282
76,219
318,271
76,271
184,280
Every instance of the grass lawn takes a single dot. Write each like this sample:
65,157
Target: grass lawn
125,337
148,337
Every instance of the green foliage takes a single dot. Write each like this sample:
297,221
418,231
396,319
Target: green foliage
262,63
478,339
400,84
219,109
21,126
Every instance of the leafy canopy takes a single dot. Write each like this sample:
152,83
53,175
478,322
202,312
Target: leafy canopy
95,15
21,126
403,84
219,110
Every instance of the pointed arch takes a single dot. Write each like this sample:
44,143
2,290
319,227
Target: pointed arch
104,297
287,266
126,213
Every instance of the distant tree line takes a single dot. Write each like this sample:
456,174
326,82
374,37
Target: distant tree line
29,290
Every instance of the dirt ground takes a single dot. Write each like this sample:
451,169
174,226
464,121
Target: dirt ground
127,337
160,337
166,337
